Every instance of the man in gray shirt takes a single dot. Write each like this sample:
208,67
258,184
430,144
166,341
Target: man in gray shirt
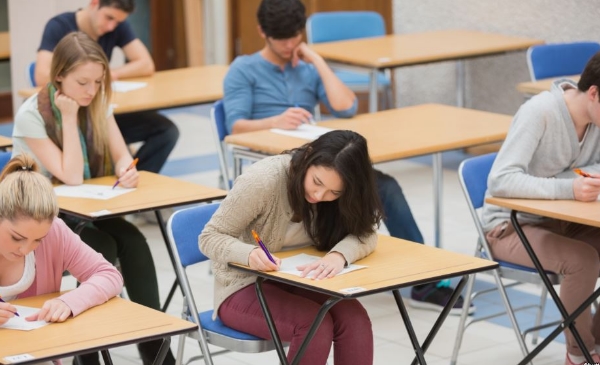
551,134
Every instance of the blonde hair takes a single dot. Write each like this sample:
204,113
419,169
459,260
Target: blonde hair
24,192
76,49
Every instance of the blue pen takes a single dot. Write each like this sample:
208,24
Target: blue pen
2,300
262,245
311,119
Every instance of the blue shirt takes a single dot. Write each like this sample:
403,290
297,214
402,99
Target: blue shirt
65,23
256,88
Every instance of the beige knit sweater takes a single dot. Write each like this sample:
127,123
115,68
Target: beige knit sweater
257,201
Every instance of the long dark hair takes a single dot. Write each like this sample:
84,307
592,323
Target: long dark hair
358,210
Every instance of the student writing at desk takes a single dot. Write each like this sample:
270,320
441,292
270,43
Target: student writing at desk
321,194
105,21
70,130
551,134
36,248
277,86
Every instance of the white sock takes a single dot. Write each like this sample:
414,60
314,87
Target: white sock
579,359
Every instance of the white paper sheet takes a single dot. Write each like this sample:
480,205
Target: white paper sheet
90,191
288,265
19,323
304,131
125,86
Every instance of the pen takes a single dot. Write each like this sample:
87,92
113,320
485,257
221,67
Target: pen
582,173
16,313
311,120
262,245
132,165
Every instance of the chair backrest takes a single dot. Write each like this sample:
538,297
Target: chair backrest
4,158
219,131
30,74
559,59
342,25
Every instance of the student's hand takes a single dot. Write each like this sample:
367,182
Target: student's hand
7,311
327,267
304,53
586,189
258,260
113,75
128,179
66,105
292,118
54,310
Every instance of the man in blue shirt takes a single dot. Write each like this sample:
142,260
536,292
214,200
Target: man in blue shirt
278,86
105,22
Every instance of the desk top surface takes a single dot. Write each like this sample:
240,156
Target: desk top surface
587,213
399,133
4,45
115,323
5,142
536,87
153,192
395,263
168,89
416,48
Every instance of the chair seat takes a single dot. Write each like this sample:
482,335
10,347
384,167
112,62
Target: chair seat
351,78
217,326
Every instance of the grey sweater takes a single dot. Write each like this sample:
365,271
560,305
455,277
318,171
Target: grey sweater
258,201
539,154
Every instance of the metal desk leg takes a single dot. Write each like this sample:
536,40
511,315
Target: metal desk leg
162,353
568,321
373,91
460,83
106,357
237,167
271,324
163,231
409,328
438,172
79,227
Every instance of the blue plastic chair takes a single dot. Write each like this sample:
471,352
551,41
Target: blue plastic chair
559,59
30,74
473,175
219,131
344,25
184,227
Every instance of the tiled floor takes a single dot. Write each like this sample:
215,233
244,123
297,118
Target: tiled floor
484,343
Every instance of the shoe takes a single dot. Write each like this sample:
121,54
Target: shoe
434,296
595,357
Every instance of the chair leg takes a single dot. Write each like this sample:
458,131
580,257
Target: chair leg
463,319
180,346
539,315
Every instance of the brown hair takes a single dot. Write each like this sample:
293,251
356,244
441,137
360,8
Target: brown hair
24,192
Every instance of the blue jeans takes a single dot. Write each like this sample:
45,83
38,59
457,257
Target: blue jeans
398,217
158,133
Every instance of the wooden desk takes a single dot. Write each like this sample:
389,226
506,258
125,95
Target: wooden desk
393,265
116,323
4,46
535,87
168,89
395,134
5,142
397,50
587,213
154,192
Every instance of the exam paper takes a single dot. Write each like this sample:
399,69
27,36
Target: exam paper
19,323
304,131
125,86
288,265
90,191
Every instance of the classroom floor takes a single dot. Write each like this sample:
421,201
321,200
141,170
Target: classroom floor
489,342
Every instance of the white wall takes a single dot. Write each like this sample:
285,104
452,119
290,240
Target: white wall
491,80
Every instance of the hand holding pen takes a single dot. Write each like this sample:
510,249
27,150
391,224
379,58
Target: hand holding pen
7,311
262,259
587,187
128,180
